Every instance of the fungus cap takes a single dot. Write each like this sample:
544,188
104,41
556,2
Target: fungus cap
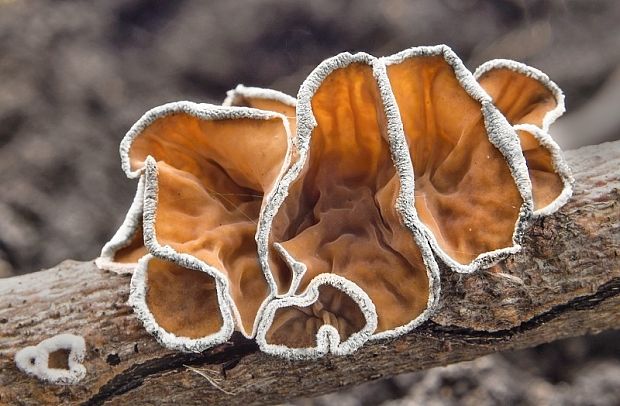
38,360
126,247
206,169
342,219
319,238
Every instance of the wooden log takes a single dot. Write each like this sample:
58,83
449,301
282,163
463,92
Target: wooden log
565,282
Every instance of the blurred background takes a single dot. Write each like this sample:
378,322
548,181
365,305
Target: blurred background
75,75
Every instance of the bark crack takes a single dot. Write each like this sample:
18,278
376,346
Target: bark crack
239,347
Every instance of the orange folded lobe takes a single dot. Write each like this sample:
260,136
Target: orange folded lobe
211,174
340,218
128,246
183,301
520,98
526,96
297,326
465,193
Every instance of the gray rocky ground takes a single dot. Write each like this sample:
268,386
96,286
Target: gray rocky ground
74,75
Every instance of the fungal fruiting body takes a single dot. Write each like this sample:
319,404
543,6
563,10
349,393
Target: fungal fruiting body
316,224
531,102
126,247
57,360
345,264
200,214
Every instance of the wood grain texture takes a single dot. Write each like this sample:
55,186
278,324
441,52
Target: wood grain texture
565,282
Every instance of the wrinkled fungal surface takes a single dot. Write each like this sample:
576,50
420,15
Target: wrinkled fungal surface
531,102
342,217
56,360
126,247
315,224
206,170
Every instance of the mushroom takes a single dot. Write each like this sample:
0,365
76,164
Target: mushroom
206,169
319,239
57,360
531,102
348,262
126,247
473,193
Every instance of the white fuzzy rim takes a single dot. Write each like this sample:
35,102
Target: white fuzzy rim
327,337
257,93
405,202
34,360
540,133
400,155
559,164
137,299
123,236
230,313
501,135
552,115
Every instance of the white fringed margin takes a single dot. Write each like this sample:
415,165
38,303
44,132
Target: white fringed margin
240,92
559,164
34,360
327,338
540,133
123,236
501,135
139,282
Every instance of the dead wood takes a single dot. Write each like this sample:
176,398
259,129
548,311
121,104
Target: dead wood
565,282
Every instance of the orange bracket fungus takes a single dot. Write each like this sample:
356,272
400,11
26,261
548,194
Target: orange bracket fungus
200,213
531,102
126,247
316,224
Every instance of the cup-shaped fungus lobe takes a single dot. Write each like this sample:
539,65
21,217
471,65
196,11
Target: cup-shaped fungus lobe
126,247
531,102
57,360
470,178
342,259
207,169
180,304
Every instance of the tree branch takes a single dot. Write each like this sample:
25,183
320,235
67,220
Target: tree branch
565,282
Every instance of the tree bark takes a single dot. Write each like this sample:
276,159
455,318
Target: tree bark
565,282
